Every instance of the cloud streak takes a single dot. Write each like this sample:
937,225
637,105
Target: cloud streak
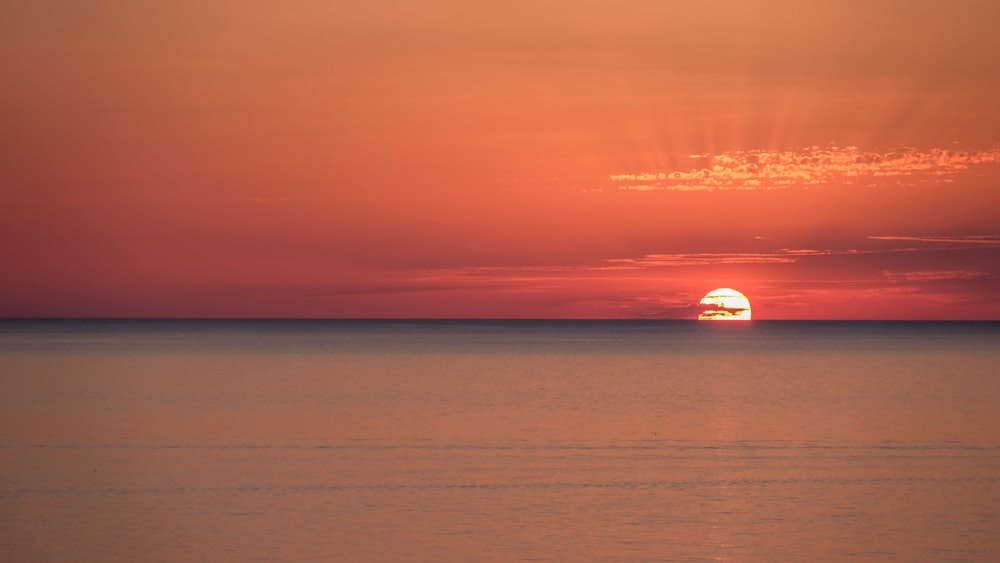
923,276
809,166
989,240
779,256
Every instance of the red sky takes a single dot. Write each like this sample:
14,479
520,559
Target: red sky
833,159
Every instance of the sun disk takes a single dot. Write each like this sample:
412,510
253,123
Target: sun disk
724,304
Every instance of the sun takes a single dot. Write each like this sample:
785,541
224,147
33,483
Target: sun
724,304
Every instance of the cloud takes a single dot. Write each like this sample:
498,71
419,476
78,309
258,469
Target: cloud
536,279
793,255
809,166
933,275
701,259
556,279
970,240
779,256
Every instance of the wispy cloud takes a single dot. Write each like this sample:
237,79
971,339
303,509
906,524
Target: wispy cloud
933,275
778,256
970,240
701,259
809,166
793,255
611,275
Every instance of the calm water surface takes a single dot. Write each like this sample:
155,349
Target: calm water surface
474,441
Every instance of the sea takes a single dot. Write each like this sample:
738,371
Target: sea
407,440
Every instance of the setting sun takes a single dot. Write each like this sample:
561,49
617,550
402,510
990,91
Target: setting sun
724,304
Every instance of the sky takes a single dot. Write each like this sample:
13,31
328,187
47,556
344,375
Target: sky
524,159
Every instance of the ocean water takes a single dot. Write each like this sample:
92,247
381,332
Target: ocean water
499,441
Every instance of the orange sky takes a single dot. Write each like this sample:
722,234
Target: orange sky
251,158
